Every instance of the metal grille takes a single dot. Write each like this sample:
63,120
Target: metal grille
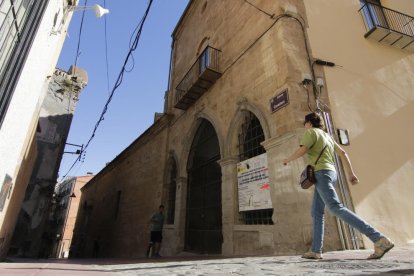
263,216
250,137
375,15
171,194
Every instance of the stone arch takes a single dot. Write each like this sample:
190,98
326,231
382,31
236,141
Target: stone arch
203,226
234,152
169,183
188,139
202,45
231,139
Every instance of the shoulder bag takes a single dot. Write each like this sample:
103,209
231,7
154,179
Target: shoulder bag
307,177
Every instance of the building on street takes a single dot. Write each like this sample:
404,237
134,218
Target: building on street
63,215
243,76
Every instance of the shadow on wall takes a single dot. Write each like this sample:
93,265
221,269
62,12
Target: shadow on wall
31,237
390,138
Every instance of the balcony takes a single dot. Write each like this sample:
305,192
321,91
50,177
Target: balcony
388,26
201,76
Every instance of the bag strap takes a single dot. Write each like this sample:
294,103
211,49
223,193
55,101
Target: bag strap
320,154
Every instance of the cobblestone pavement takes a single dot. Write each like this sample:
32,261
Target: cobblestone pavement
398,261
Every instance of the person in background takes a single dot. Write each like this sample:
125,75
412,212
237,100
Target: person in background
313,142
157,224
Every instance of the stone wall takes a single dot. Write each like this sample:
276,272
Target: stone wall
137,173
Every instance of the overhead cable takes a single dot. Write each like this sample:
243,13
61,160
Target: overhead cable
118,82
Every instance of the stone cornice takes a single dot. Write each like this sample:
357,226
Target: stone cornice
232,160
271,143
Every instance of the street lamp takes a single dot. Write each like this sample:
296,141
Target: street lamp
99,10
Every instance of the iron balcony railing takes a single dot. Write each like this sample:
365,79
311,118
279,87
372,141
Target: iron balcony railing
201,76
388,26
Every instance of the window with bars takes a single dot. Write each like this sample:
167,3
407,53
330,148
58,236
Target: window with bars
172,186
250,136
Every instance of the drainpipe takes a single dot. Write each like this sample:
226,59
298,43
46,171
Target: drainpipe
343,228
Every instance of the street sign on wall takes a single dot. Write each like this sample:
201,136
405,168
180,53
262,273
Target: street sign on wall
279,101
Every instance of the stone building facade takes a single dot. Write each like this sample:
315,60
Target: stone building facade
243,75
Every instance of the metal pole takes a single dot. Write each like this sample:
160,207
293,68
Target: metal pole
344,194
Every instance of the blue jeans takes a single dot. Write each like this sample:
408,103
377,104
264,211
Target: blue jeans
325,194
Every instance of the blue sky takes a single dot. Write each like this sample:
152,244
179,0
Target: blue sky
141,93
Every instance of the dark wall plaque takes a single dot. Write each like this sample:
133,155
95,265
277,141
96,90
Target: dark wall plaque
281,100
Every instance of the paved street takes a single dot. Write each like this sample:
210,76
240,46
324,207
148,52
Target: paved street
399,261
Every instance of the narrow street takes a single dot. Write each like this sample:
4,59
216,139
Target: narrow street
399,261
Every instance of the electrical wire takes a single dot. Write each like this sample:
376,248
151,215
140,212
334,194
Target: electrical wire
130,45
106,54
80,35
276,19
67,120
308,98
118,82
259,9
74,67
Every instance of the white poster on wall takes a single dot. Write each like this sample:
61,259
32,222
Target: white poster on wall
253,184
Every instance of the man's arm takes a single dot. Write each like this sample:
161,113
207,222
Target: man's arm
345,158
298,153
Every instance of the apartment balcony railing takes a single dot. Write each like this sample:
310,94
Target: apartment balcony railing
201,76
388,26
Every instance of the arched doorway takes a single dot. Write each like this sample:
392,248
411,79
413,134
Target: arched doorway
203,224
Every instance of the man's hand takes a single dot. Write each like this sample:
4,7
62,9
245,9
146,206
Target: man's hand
354,180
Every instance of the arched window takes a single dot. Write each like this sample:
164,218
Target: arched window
250,136
172,186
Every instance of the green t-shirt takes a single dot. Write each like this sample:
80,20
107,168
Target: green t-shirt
315,140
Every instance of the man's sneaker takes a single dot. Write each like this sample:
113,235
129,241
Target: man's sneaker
149,251
382,246
156,255
312,255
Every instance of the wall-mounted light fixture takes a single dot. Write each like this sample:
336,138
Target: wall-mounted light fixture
99,11
324,63
343,136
